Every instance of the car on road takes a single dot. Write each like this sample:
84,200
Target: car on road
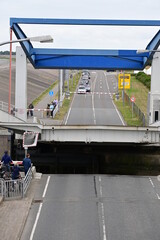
82,89
86,73
85,77
88,88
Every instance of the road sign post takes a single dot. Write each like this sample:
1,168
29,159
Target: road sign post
132,100
51,93
123,86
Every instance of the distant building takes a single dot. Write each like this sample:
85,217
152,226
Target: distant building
146,71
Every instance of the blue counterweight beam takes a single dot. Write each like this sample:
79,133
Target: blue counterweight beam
91,59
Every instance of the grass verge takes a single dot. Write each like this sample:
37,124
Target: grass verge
126,111
67,101
43,94
140,92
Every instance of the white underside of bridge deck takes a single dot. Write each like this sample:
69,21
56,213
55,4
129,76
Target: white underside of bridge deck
90,134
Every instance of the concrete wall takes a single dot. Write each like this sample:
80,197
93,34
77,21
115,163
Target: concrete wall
5,142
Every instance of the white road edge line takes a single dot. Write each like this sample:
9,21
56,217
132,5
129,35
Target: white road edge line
113,101
39,210
36,221
68,116
118,113
69,110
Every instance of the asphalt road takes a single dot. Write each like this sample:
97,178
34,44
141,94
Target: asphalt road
96,107
95,207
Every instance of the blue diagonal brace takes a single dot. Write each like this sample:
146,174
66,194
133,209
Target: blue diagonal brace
26,45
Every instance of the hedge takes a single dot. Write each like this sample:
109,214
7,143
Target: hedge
144,78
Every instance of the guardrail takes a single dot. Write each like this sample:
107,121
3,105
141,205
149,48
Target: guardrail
14,189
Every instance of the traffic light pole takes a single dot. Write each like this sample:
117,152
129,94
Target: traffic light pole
25,150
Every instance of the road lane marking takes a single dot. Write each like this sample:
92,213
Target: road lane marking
94,114
151,182
46,186
158,196
39,210
108,86
68,114
102,211
36,221
154,188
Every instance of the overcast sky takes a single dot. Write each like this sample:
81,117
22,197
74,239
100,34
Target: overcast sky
83,36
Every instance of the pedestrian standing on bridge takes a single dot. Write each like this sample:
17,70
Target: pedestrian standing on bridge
6,160
27,163
31,108
16,172
51,108
48,110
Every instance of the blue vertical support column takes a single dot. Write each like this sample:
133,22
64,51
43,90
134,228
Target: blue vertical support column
21,85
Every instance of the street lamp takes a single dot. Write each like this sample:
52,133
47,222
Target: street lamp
147,51
41,39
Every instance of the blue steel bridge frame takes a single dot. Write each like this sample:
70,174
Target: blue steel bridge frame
85,58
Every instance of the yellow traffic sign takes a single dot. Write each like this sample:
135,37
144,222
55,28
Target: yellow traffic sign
124,81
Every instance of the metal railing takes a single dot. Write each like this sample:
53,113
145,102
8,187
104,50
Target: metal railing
14,189
1,187
136,109
27,181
